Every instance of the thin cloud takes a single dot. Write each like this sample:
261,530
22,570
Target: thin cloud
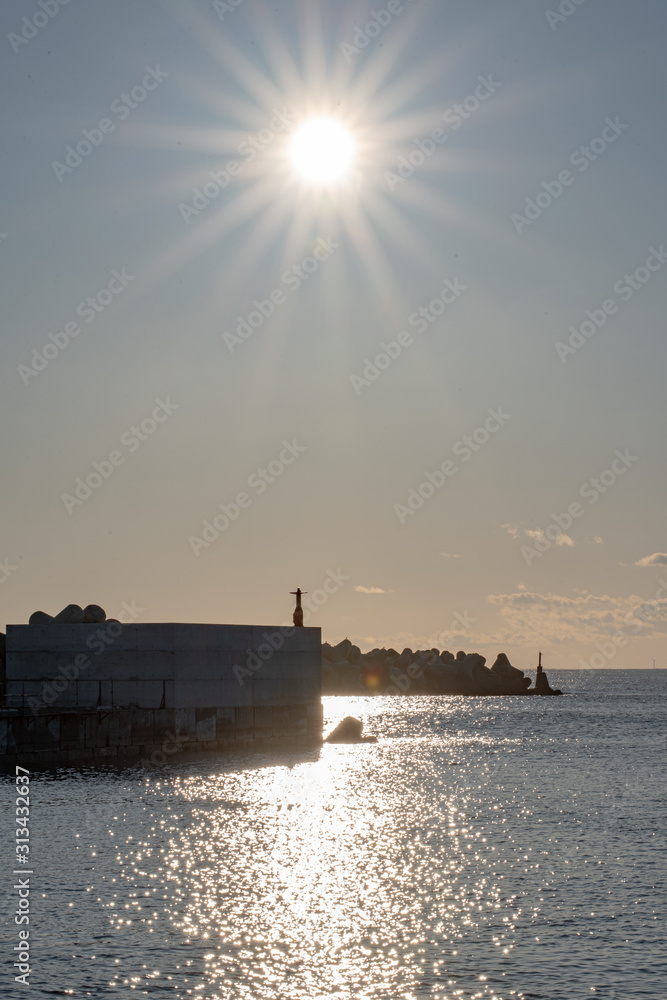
657,559
584,618
451,555
371,590
539,535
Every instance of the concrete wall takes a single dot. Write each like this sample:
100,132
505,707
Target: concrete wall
152,736
161,666
82,692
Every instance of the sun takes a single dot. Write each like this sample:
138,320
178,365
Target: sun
322,150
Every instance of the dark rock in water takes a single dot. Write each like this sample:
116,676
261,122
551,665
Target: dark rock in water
330,678
346,670
348,674
39,618
542,685
93,613
472,660
341,650
398,680
353,655
486,682
503,667
514,680
349,731
71,615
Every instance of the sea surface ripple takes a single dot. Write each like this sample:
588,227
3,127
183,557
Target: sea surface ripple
505,848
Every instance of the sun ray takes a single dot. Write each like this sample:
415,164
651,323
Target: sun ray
285,201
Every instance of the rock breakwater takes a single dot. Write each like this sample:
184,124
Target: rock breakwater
346,670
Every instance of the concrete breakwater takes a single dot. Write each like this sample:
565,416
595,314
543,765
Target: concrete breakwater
346,670
147,737
77,692
79,687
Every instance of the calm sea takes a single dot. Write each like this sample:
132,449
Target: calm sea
483,848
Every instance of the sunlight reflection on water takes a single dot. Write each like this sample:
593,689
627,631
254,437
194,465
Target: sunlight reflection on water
460,856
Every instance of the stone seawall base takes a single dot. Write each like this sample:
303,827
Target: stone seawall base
152,736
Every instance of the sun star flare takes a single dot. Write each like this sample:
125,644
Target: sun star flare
322,150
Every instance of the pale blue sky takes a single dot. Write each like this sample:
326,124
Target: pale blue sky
334,507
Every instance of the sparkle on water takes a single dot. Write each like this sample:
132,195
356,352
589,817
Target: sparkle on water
483,848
